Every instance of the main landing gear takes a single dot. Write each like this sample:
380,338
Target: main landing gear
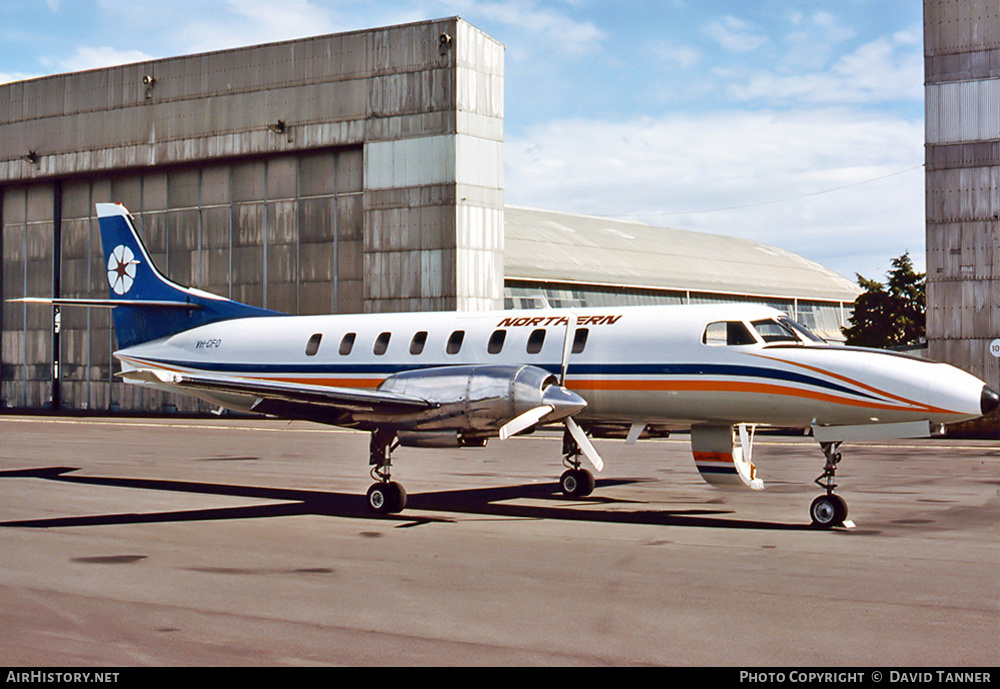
575,481
828,510
385,496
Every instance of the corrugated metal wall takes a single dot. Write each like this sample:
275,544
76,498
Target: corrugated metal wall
342,173
283,233
962,68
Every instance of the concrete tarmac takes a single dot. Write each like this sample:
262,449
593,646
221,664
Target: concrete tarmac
133,542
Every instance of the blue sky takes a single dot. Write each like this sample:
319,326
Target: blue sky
795,123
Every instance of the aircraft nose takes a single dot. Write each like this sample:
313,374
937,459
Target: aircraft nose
989,400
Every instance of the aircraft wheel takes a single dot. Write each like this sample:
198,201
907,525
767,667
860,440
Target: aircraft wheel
386,498
828,511
577,483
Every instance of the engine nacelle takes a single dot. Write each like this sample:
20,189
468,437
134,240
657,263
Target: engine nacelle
476,400
440,439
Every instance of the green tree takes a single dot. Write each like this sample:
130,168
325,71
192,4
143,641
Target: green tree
890,315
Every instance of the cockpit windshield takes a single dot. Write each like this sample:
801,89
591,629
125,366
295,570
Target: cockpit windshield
802,331
784,330
780,330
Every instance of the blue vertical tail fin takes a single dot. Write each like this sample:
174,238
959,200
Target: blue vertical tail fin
149,306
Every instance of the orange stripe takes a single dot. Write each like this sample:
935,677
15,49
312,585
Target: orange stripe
725,458
663,385
864,386
724,386
331,382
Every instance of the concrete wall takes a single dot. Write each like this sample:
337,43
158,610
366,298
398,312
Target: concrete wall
345,173
962,70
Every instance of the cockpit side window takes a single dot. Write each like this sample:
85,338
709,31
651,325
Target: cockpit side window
727,334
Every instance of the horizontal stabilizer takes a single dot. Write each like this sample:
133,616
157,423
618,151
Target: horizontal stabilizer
106,303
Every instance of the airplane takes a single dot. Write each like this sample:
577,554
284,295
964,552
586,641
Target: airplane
453,379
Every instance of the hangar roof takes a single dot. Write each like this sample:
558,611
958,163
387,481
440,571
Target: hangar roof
545,245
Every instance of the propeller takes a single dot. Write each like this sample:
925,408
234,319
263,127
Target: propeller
524,421
567,345
558,399
583,442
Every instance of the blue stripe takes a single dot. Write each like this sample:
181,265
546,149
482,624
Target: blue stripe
588,370
716,470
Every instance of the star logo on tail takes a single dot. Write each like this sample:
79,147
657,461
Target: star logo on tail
121,269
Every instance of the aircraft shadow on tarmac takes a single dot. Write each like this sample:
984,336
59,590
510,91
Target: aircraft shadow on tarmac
494,501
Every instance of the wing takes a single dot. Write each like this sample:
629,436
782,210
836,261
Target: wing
331,405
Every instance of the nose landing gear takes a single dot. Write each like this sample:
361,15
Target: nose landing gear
830,510
575,482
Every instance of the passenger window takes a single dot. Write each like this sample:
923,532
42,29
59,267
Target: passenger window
455,342
496,341
312,346
382,344
580,340
727,333
347,344
418,342
536,340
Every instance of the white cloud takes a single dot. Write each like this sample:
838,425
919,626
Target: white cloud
882,70
8,77
282,20
677,55
251,22
760,175
813,41
86,57
735,34
538,27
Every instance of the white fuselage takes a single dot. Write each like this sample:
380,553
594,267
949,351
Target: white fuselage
649,364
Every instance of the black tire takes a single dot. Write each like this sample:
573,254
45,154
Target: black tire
400,496
828,511
386,498
576,483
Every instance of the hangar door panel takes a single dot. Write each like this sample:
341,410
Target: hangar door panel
283,232
28,242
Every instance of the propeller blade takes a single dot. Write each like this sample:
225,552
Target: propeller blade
586,447
567,345
524,421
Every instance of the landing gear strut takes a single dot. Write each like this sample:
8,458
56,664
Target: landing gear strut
828,510
385,496
575,481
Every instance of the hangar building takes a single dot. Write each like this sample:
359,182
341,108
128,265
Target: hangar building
962,96
345,173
